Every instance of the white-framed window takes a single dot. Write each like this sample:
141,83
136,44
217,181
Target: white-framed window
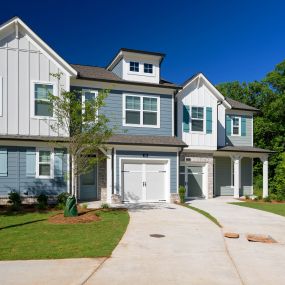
236,125
44,163
88,95
148,68
141,111
41,106
134,66
197,119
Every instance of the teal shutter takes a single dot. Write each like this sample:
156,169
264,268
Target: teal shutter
209,120
3,162
30,163
186,118
228,125
243,126
58,163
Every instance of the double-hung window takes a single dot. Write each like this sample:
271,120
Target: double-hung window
44,163
141,111
88,104
197,119
134,66
235,126
148,68
42,104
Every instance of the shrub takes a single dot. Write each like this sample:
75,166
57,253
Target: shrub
247,197
105,206
259,197
84,206
61,200
42,201
279,197
15,200
182,192
267,199
273,197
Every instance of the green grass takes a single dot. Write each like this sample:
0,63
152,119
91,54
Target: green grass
206,214
278,209
30,236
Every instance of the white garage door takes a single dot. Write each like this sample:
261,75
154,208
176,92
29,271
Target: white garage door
144,182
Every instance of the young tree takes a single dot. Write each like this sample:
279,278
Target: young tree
87,128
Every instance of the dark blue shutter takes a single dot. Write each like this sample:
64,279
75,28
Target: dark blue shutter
30,163
209,120
186,118
228,125
3,162
58,163
243,126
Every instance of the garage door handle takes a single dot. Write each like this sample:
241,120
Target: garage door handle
144,183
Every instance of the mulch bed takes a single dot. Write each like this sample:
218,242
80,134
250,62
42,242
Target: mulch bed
82,218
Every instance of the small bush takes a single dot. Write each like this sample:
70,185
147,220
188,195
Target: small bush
105,206
61,200
279,197
182,192
273,197
247,197
42,202
259,197
15,200
267,199
84,206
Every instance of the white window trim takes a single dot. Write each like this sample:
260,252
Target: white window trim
83,97
32,107
141,68
132,71
51,176
204,121
141,125
151,68
1,96
239,127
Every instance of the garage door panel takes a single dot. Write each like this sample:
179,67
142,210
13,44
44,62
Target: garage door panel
133,186
155,186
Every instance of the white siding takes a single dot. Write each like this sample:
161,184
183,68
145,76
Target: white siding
198,96
20,64
221,125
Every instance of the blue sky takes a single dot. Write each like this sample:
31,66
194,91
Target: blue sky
226,40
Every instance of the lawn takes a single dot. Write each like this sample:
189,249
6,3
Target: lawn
274,208
31,236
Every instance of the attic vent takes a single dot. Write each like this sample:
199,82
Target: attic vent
187,158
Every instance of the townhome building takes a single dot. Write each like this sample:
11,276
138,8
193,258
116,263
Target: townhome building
165,135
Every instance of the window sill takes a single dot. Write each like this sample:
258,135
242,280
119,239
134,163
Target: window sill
43,118
141,126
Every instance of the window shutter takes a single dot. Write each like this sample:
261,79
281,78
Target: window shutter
3,162
186,118
228,125
58,163
30,163
209,120
243,126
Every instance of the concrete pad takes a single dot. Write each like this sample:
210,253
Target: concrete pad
257,263
192,251
48,272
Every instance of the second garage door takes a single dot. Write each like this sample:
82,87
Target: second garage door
144,182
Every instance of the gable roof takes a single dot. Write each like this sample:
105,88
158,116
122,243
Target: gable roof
37,41
101,74
236,105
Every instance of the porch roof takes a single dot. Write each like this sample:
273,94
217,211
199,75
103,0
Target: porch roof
146,140
251,149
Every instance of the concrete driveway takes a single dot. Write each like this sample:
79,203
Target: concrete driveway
192,251
257,263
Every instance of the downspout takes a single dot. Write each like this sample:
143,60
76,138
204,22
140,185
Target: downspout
112,166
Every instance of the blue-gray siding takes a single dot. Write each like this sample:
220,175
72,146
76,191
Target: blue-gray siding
223,177
242,140
172,156
18,180
113,109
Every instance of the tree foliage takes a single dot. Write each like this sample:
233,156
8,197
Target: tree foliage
268,95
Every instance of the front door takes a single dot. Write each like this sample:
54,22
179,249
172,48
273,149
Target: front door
88,185
144,182
195,181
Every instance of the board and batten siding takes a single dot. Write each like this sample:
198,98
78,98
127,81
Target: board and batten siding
172,156
197,96
223,178
113,109
18,178
21,63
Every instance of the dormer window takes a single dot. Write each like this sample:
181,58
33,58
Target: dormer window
148,68
134,66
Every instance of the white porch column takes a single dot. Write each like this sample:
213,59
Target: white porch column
109,175
264,160
236,159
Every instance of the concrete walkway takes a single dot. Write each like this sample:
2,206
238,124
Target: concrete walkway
257,263
192,251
